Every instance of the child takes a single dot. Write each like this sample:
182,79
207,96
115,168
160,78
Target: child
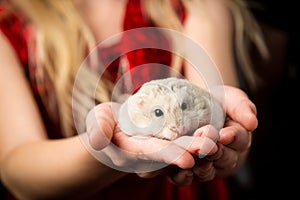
43,44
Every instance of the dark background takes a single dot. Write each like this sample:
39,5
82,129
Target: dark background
273,168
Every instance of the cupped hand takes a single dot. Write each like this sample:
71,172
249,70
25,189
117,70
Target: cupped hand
240,108
101,125
235,138
133,151
184,176
233,143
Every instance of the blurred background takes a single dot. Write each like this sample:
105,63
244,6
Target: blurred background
272,170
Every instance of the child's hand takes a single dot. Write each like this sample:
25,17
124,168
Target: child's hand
139,154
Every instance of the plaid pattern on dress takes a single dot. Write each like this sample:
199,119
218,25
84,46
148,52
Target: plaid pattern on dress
15,28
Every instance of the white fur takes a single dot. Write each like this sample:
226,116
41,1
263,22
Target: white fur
137,113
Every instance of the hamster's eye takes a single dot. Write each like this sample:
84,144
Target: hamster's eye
158,112
183,106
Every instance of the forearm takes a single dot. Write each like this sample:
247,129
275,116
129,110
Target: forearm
211,28
55,168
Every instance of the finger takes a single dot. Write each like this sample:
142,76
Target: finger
100,126
208,131
235,136
183,177
240,108
197,145
228,160
216,155
204,170
151,148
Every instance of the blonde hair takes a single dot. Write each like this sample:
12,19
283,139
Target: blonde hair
246,32
63,38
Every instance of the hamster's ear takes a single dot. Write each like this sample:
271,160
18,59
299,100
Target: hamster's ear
138,100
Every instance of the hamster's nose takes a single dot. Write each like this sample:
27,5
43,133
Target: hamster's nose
177,129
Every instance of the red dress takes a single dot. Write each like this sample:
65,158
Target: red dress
130,187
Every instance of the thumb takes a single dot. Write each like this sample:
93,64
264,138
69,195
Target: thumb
100,125
240,108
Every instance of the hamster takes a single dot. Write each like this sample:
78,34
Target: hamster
169,108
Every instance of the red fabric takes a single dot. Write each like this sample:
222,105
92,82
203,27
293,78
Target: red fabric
17,33
144,56
144,64
148,51
131,187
